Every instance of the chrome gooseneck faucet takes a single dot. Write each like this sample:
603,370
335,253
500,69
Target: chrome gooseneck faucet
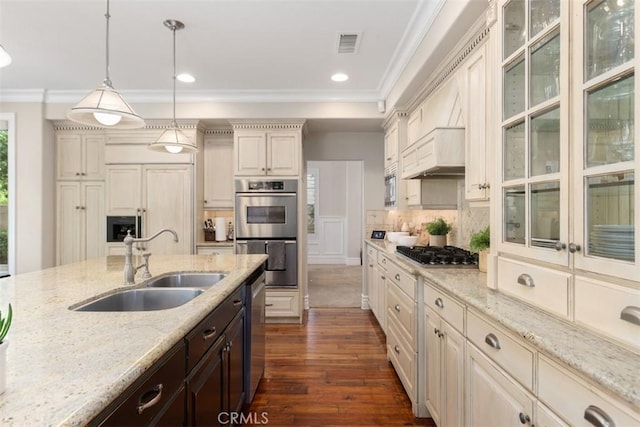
129,240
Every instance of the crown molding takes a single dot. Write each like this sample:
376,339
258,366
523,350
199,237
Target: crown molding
23,95
268,124
218,131
59,125
394,114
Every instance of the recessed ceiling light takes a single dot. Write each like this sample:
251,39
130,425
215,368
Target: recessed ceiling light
186,78
339,77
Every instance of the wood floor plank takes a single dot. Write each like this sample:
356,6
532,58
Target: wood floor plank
331,371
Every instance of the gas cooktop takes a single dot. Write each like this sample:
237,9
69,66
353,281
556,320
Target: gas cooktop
435,256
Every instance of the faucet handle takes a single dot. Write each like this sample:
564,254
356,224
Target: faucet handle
146,274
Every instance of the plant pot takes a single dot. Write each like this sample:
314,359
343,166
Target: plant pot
482,260
3,366
438,240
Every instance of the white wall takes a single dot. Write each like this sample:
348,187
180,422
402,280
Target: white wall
35,187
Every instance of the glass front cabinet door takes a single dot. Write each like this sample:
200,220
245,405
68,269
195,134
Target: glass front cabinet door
568,139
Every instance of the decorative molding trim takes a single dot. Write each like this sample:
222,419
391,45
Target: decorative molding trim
394,114
218,131
267,124
353,261
451,65
23,95
364,302
149,125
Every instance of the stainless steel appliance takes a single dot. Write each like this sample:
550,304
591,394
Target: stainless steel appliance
255,334
390,187
266,223
436,256
117,227
266,208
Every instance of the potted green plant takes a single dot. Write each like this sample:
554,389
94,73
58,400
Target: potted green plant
5,323
479,244
438,230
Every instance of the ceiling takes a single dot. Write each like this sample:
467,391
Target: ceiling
238,50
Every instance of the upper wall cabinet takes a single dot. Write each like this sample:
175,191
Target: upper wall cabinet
391,144
267,152
568,140
218,170
80,156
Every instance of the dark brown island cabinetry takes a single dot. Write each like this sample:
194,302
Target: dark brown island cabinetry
200,381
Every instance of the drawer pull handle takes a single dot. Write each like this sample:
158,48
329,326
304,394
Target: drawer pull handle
524,418
268,305
371,265
598,417
439,302
237,302
526,280
149,398
382,277
208,333
436,331
397,307
398,277
492,341
631,314
396,349
384,260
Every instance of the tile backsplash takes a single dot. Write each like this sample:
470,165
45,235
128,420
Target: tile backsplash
466,220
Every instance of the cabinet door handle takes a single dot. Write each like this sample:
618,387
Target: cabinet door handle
384,260
598,417
382,277
574,247
397,308
77,207
149,398
631,314
371,265
524,418
77,173
492,341
398,277
268,305
439,303
208,333
237,302
396,349
262,169
560,246
526,280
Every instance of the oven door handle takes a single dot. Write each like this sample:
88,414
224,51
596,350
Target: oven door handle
286,242
265,194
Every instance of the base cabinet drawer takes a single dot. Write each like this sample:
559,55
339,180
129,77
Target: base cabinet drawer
535,285
214,250
282,304
609,309
578,403
403,280
502,348
403,359
403,311
446,307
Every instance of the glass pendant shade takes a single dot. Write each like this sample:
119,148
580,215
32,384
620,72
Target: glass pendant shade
174,141
104,107
5,58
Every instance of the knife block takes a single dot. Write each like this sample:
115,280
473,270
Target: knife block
209,235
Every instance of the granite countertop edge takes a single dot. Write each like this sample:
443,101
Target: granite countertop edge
604,362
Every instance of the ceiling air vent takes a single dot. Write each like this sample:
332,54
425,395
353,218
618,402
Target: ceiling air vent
348,42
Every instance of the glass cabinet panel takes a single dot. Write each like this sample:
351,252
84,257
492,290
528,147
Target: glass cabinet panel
545,143
542,13
610,212
513,88
515,29
514,152
545,214
610,118
514,214
609,36
544,81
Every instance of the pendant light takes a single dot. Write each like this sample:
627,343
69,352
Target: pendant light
173,139
105,107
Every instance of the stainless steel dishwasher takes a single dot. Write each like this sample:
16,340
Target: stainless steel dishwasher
255,335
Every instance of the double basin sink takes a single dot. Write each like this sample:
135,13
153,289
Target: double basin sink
159,293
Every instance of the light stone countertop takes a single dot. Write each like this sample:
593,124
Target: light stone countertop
215,244
63,366
611,366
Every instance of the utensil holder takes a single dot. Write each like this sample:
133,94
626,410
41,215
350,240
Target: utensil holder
209,235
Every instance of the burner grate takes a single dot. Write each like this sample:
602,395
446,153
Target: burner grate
439,256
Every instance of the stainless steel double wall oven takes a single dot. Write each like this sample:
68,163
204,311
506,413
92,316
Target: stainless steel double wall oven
266,223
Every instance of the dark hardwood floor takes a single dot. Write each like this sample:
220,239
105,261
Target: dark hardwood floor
333,371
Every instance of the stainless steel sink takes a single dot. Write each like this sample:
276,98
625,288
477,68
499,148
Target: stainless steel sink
186,280
145,299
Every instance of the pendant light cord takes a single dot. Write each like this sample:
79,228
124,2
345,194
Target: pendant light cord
173,30
107,80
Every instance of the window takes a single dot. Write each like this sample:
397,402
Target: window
312,199
4,197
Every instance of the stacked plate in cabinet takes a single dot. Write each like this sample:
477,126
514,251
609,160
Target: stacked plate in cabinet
613,241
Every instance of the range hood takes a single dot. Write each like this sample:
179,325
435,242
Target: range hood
439,153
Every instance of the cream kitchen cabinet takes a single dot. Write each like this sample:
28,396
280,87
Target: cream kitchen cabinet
391,144
161,195
81,228
444,348
415,127
218,171
282,304
80,156
439,193
258,153
472,81
214,250
567,178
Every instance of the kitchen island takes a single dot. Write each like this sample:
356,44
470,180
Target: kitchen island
64,367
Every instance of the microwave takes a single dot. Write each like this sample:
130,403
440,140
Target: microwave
391,187
117,227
